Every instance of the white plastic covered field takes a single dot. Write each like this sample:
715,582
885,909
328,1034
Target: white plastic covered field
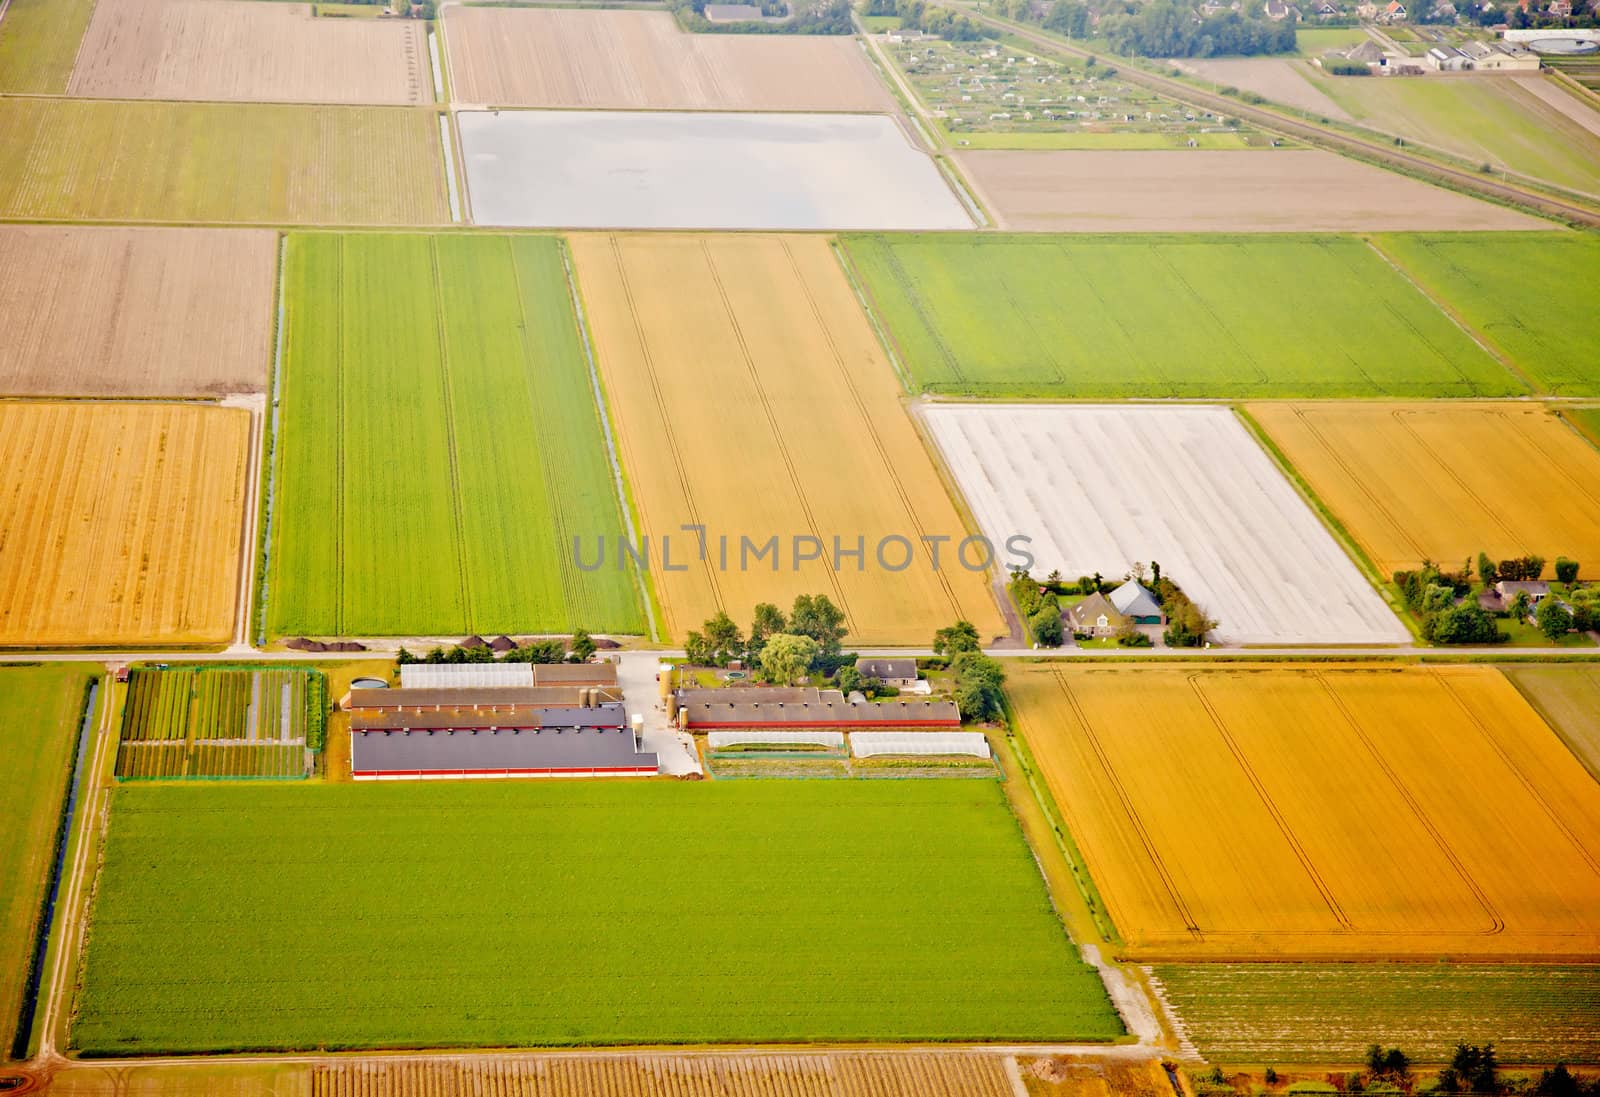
1097,488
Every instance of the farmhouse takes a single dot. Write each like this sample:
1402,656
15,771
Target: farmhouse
1137,604
756,707
1096,616
1536,590
899,673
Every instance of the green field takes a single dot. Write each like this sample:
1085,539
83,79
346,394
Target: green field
76,159
1479,120
1586,420
221,722
441,447
1315,41
1331,1013
40,707
1097,317
1510,289
1567,695
39,44
559,913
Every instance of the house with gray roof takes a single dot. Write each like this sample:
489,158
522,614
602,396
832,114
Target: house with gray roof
1137,604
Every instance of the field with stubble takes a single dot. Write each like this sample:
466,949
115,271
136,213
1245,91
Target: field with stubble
93,160
220,50
620,60
135,311
1445,481
119,523
1228,813
752,398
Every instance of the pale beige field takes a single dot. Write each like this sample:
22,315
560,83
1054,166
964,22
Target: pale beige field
225,50
1284,812
1444,481
641,59
751,397
1279,79
119,523
1200,190
135,311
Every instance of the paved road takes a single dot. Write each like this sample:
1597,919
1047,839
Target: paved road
636,674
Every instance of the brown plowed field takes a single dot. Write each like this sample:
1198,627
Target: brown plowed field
1444,481
784,1074
220,50
134,311
1198,190
119,523
642,60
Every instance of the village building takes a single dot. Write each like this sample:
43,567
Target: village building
900,673
1096,616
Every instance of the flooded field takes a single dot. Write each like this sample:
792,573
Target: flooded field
619,169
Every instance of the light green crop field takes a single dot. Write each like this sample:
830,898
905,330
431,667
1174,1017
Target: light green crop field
1567,695
1586,420
436,914
39,44
1513,289
40,707
1331,1013
77,159
1484,121
441,446
1315,41
1098,317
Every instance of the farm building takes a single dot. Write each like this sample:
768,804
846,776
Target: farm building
1137,604
487,697
713,710
891,672
1500,57
480,675
488,742
1096,616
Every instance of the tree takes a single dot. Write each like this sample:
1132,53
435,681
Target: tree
816,616
1566,571
402,657
1464,624
959,637
1392,1063
1520,606
723,640
786,656
849,680
1045,624
1557,1083
1488,575
1553,619
1474,1067
978,682
582,646
768,621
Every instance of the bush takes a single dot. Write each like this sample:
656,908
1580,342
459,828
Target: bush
1345,67
1312,1087
1566,571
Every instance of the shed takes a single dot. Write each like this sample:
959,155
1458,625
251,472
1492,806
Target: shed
1136,603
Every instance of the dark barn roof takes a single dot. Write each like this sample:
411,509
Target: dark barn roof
824,714
887,668
461,719
504,753
468,697
574,674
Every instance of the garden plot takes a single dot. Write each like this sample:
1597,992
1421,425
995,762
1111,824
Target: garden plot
642,60
221,50
616,169
135,311
1290,190
1100,488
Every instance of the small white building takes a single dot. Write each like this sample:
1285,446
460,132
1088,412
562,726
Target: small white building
1446,59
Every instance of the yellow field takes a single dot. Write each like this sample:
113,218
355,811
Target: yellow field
1289,812
120,523
751,397
1445,481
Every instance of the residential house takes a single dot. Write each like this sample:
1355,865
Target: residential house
899,673
1393,12
1536,590
1096,616
1137,604
1327,9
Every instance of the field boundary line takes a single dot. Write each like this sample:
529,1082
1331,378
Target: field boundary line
1487,345
1592,682
271,455
1205,307
649,362
847,377
619,482
772,419
858,286
1497,923
1221,727
1126,801
453,452
1510,764
77,54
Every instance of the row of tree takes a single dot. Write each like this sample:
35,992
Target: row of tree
813,617
1164,28
580,649
1473,1069
820,17
929,19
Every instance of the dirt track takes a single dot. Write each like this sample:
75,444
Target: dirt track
134,311
1194,190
